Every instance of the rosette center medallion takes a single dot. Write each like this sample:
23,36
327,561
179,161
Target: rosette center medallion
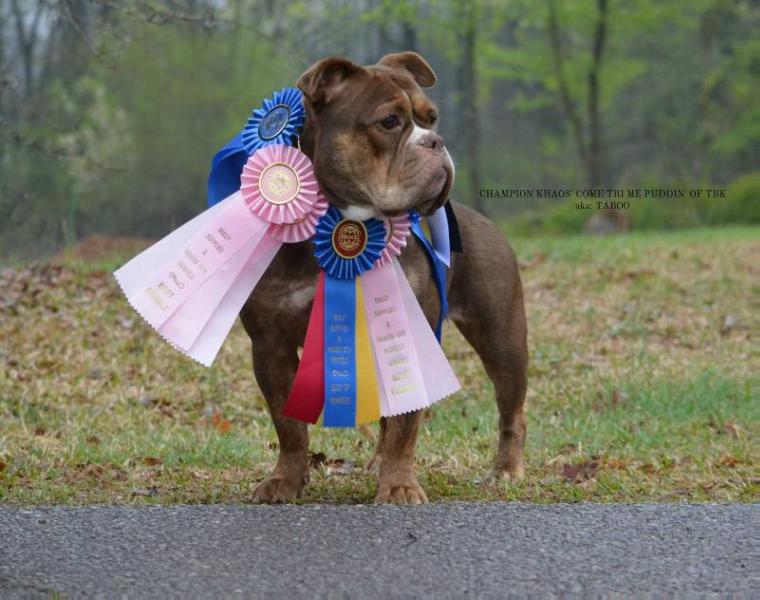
349,238
279,183
274,122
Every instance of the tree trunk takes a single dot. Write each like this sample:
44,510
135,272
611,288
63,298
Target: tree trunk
596,162
469,106
410,37
568,105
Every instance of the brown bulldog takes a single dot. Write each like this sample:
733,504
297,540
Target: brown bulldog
370,132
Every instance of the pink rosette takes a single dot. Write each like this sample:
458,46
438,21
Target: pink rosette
279,186
397,231
304,228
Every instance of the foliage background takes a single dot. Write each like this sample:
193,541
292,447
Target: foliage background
111,110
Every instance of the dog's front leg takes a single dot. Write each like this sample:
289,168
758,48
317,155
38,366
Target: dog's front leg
274,364
397,482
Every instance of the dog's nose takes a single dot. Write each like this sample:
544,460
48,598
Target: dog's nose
432,140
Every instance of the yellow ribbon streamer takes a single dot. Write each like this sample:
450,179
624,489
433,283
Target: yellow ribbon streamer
367,393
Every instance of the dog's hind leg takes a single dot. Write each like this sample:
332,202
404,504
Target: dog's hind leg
505,361
487,306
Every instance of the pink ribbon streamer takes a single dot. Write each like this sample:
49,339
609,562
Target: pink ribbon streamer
412,369
194,303
191,285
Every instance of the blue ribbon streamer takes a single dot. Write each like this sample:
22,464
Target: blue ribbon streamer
455,238
438,267
340,352
226,167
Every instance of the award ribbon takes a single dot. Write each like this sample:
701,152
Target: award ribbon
438,259
368,346
278,120
191,285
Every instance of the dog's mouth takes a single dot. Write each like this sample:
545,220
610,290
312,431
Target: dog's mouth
429,206
440,189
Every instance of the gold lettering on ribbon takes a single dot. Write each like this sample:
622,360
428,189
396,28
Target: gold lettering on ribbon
159,301
194,259
398,391
404,375
186,270
165,289
215,243
175,279
392,349
340,400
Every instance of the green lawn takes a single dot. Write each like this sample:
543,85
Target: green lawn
643,386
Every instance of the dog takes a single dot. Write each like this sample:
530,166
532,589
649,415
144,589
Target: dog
370,132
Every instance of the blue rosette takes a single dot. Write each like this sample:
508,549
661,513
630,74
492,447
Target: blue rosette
345,248
278,121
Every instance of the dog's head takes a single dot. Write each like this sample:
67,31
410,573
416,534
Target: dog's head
371,133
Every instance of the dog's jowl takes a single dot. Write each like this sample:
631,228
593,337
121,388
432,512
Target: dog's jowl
371,134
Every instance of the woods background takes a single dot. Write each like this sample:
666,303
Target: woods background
110,111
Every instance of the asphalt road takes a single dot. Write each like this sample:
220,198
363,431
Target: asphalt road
442,549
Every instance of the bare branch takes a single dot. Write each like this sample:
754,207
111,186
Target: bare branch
75,24
564,91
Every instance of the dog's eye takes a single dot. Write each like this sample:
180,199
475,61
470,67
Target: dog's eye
390,122
432,117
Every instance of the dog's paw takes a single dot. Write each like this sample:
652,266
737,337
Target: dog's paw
512,473
409,492
278,488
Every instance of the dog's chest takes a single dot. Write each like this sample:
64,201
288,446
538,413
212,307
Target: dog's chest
284,296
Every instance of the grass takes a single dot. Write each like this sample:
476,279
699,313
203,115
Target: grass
642,386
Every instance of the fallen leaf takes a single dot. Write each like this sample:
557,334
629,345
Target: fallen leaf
580,472
615,463
2,465
729,461
221,424
316,459
152,461
93,439
732,429
617,398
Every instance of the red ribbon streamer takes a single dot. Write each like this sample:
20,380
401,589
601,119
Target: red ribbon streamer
307,396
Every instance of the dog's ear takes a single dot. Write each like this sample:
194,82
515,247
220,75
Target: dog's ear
414,64
323,79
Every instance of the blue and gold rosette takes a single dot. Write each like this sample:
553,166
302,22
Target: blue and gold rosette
279,120
337,342
345,248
